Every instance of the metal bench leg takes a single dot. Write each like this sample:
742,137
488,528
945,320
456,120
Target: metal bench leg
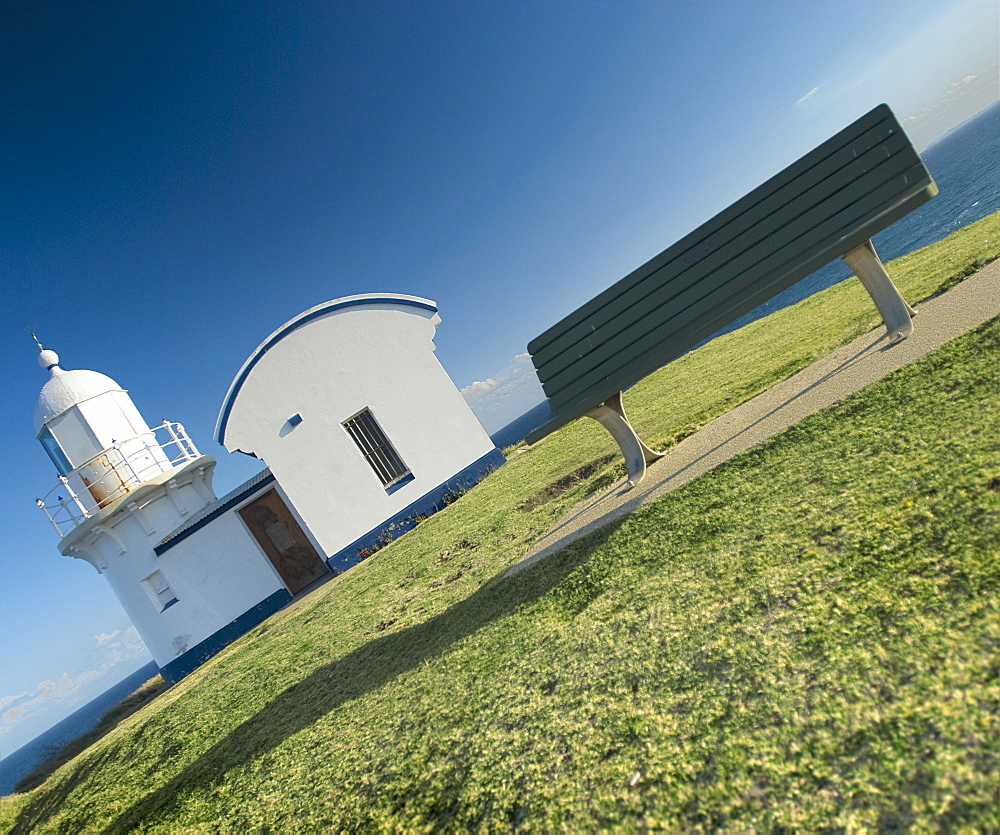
896,313
611,415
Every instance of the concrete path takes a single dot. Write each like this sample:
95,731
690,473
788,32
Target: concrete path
863,361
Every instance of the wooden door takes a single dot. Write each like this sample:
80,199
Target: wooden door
285,543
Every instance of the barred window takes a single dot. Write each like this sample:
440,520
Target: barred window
375,447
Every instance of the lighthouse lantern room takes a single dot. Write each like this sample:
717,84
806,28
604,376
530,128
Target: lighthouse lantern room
99,443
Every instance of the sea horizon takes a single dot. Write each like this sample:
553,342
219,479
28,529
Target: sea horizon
964,162
24,760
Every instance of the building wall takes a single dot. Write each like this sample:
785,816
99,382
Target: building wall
222,565
112,417
225,586
290,401
184,566
214,576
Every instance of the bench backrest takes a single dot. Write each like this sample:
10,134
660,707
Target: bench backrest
827,203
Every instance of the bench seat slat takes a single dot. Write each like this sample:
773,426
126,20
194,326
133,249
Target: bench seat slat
755,224
634,354
830,201
880,121
753,264
825,205
675,281
566,410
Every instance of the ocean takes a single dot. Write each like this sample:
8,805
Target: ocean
517,430
965,163
23,761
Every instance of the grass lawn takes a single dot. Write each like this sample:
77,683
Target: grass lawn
806,636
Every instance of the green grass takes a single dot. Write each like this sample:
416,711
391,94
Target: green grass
110,719
806,636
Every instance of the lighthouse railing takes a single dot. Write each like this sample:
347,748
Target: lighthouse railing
113,472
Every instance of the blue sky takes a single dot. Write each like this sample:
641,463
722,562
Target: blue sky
182,178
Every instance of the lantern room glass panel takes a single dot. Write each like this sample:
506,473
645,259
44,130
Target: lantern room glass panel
51,446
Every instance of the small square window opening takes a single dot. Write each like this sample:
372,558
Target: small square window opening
159,590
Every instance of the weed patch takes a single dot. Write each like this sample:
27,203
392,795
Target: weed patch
567,482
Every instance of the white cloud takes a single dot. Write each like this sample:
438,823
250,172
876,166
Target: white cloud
30,712
46,693
5,701
959,100
478,388
116,648
807,96
506,395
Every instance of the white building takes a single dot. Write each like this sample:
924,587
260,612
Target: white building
362,427
363,431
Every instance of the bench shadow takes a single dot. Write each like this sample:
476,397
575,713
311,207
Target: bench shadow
848,363
362,671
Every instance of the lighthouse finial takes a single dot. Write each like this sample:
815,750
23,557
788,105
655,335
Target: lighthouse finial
49,360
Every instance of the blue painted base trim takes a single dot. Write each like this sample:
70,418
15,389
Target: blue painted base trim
175,670
429,504
392,488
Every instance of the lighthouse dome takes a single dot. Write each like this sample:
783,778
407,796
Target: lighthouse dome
65,389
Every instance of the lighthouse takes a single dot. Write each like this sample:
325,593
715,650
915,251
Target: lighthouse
100,445
120,487
123,490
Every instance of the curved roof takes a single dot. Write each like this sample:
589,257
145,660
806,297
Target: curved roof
296,323
68,388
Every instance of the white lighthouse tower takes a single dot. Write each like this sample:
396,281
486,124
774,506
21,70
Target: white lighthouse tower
122,487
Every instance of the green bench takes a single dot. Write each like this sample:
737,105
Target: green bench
826,205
